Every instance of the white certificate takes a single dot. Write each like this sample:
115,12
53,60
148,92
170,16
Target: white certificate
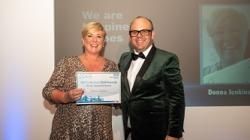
99,87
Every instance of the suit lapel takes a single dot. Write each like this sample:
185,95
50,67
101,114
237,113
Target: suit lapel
144,67
125,76
126,63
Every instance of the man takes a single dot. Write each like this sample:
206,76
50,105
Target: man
152,91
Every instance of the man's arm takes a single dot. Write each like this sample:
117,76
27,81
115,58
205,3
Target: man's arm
176,100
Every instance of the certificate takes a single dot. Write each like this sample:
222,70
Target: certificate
99,87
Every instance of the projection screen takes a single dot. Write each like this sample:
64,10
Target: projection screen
210,37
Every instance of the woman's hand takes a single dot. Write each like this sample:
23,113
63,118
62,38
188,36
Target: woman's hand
73,95
171,138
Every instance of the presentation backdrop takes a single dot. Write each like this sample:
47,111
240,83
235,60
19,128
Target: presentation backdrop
210,37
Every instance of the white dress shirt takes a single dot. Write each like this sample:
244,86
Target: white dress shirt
135,67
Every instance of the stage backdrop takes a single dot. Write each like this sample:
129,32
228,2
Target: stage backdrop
182,27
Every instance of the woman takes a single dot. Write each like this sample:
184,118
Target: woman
228,30
71,121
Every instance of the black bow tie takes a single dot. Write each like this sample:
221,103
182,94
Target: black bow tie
135,56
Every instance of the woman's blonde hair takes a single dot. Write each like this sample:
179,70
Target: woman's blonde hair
97,26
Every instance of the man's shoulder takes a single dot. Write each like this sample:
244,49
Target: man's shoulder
125,54
164,52
160,53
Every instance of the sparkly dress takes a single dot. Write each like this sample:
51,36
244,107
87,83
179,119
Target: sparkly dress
77,122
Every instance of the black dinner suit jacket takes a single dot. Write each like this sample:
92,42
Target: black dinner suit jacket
156,103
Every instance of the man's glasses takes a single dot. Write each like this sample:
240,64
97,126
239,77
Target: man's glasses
144,32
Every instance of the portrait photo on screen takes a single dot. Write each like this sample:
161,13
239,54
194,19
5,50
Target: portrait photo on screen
225,44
